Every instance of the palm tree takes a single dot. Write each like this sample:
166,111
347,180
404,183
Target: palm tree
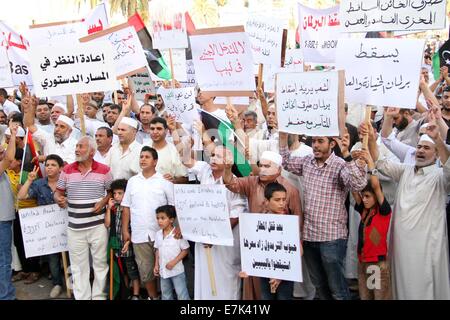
126,7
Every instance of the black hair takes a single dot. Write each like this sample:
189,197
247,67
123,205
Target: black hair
446,89
17,117
119,184
168,210
152,107
118,92
19,153
159,120
114,106
271,188
3,93
369,188
56,158
109,132
152,151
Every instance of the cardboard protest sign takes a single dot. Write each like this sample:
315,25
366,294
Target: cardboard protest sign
128,55
143,85
388,15
79,68
270,246
97,20
235,101
223,61
17,49
179,63
203,213
294,60
266,37
319,33
381,72
44,230
180,103
55,33
308,103
168,24
190,71
5,70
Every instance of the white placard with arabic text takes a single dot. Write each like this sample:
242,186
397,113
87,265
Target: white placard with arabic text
67,33
381,72
294,60
180,103
389,15
79,68
143,85
307,103
5,70
270,246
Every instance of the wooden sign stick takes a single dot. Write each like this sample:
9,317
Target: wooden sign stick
171,68
260,75
212,277
66,276
111,273
81,115
367,121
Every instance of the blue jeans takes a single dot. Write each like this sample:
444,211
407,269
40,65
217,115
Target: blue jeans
55,268
178,283
284,290
325,261
7,290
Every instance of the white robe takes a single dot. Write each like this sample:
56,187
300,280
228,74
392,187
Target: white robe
419,246
226,260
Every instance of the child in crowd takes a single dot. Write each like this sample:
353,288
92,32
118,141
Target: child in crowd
373,268
169,255
123,251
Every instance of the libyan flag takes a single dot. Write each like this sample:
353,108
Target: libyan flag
225,131
154,58
441,58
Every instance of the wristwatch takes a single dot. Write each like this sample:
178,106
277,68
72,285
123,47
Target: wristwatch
372,172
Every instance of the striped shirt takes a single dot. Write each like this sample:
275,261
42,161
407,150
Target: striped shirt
325,190
83,192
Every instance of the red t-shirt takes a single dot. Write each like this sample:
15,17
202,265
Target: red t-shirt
373,231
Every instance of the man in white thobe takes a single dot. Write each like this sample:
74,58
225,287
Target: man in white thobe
419,246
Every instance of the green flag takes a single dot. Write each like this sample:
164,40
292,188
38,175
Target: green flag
436,65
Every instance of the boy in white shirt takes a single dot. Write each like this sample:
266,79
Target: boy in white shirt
169,256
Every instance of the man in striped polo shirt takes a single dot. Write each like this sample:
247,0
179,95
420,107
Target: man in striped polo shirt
83,187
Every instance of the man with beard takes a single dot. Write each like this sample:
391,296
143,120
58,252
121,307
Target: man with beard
253,188
112,114
419,254
98,97
327,181
146,114
57,110
60,142
446,109
90,118
84,189
159,105
406,128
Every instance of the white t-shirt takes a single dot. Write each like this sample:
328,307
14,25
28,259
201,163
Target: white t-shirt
124,165
143,196
169,161
169,248
65,150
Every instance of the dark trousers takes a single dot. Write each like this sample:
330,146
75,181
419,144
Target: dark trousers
284,290
30,264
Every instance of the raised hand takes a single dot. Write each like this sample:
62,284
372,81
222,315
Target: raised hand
33,174
391,111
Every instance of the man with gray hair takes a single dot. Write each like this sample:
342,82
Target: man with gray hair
251,125
83,187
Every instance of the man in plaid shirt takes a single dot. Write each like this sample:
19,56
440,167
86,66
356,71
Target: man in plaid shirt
327,180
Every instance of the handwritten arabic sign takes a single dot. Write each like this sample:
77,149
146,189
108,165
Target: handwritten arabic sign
307,103
270,246
128,56
223,61
143,85
266,36
181,103
190,71
167,25
203,214
55,33
17,48
79,68
381,72
319,33
44,230
179,63
5,70
385,15
294,60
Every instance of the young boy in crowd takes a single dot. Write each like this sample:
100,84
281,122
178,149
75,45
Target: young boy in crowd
169,255
123,251
372,238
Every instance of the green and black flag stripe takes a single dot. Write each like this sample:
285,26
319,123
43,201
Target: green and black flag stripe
241,167
154,58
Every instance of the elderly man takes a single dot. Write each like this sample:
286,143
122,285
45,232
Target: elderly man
253,188
83,187
420,265
60,143
327,179
124,160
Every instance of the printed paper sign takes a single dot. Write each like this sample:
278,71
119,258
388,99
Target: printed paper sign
270,246
44,230
319,33
307,103
266,37
223,61
78,68
128,55
203,213
143,85
381,72
388,15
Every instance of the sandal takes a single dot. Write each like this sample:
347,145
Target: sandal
32,278
20,276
